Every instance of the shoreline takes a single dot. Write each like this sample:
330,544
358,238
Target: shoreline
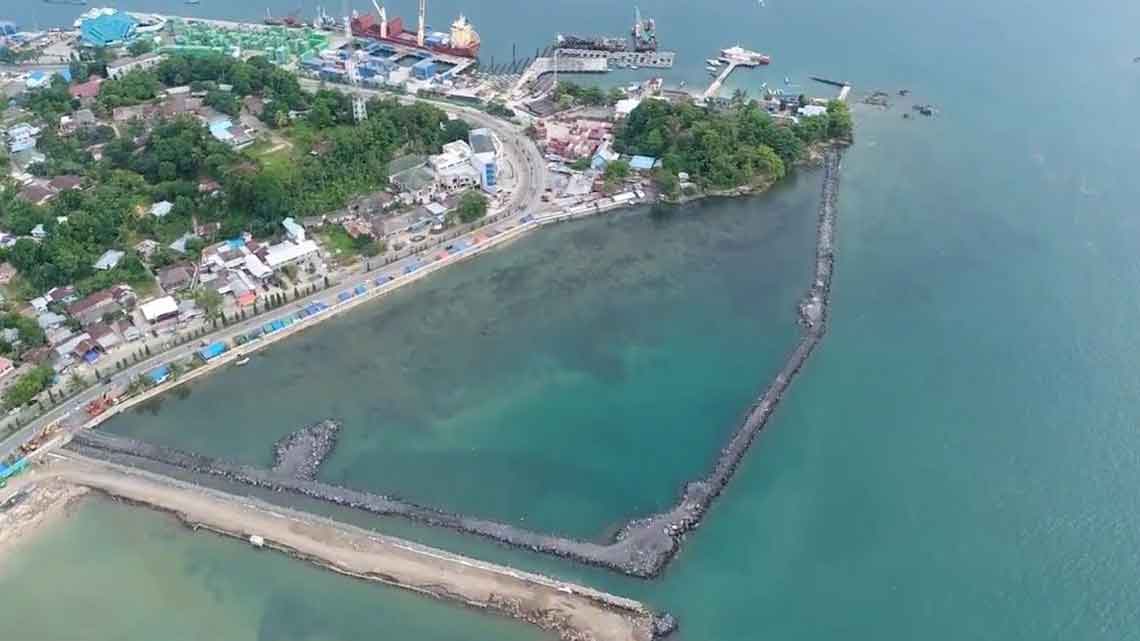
643,547
573,612
30,510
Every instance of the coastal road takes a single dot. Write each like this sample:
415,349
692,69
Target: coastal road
530,176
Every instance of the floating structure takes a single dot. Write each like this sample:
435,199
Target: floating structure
623,59
644,32
461,41
643,38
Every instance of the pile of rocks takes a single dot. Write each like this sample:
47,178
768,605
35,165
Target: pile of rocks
300,454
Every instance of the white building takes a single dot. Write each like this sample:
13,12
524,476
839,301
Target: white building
21,137
161,209
625,106
454,154
159,309
287,253
807,111
123,67
256,268
484,158
293,230
109,260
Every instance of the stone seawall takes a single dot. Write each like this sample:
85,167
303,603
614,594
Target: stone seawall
641,548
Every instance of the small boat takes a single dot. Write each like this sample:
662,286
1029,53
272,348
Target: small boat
193,1
712,62
242,361
712,69
682,85
787,80
634,67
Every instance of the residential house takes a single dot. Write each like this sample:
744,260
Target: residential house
81,120
105,336
7,273
146,248
94,307
385,226
66,182
159,309
37,195
21,137
127,65
86,92
175,278
288,253
109,260
295,232
38,232
161,209
134,112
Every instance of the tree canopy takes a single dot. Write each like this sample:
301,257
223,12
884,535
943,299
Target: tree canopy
717,148
472,206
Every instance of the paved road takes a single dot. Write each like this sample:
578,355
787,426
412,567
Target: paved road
530,176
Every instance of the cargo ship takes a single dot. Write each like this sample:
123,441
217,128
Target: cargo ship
462,40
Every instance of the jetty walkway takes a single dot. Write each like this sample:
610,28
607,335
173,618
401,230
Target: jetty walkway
714,86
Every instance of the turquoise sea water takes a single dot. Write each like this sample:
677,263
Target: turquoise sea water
958,460
636,339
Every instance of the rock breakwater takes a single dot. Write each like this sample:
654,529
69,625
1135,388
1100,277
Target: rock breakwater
641,548
300,454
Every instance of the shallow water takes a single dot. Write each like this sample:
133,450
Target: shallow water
131,573
637,339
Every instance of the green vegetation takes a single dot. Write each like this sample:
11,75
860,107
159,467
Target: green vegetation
614,173
568,94
722,149
736,147
472,206
51,102
28,386
140,46
31,335
582,164
133,88
330,160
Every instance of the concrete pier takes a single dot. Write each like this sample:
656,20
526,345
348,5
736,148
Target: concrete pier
641,548
714,87
574,612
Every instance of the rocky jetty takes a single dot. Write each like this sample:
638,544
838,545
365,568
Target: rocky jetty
300,454
641,548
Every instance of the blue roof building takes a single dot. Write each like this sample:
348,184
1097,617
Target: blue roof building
212,351
642,163
107,29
